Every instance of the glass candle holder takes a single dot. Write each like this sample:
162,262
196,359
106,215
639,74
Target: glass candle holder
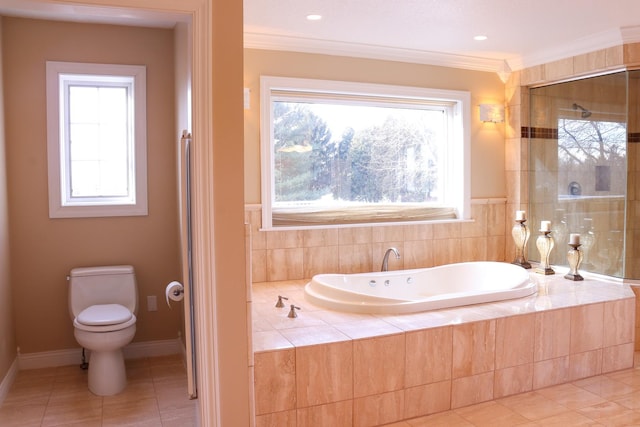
545,244
520,233
574,256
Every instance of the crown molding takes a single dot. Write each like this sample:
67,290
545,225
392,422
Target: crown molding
358,50
591,43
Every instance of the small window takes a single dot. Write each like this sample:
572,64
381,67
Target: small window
337,153
96,126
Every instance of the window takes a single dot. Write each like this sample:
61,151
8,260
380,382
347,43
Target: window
344,153
96,140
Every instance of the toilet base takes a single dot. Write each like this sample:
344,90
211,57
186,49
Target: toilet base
107,375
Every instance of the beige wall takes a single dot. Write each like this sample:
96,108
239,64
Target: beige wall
487,140
7,332
43,250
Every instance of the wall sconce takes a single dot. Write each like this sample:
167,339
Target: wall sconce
492,113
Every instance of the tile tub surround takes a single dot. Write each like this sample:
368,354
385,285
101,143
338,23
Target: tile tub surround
363,370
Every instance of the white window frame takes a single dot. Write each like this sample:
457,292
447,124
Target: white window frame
61,204
457,174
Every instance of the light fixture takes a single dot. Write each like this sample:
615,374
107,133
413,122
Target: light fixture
314,17
492,113
480,38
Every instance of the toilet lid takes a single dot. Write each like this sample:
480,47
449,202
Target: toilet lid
104,314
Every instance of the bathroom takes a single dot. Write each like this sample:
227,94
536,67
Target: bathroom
498,196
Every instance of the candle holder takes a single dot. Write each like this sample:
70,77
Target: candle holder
521,233
574,256
545,244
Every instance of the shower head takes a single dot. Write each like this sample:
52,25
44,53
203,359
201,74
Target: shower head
584,112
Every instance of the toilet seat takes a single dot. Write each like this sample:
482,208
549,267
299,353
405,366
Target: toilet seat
104,318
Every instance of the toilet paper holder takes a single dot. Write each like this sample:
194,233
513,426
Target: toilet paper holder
174,292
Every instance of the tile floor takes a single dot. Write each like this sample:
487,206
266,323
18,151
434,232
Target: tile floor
156,395
604,400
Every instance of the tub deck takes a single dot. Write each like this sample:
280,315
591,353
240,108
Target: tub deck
351,365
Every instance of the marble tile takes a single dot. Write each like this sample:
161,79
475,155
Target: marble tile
269,340
320,237
285,264
277,419
428,356
533,405
387,233
323,373
330,414
354,235
583,365
552,332
472,389
473,348
275,381
619,318
313,335
427,399
571,396
550,372
378,409
491,414
514,340
513,380
617,357
355,258
285,239
378,365
366,328
586,327
418,254
131,412
320,260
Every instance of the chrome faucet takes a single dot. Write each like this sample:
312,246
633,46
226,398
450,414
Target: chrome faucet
385,259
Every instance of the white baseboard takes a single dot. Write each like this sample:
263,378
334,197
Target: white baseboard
73,356
8,380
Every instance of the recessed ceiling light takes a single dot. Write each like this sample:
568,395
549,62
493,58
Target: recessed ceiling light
480,38
314,17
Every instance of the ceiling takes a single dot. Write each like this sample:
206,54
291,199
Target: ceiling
520,33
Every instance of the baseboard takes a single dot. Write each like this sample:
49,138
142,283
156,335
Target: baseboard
73,356
8,380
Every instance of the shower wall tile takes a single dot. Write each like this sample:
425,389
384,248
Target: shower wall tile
615,56
583,64
330,414
560,69
378,365
533,75
631,53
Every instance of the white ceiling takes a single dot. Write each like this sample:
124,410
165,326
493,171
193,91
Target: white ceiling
521,33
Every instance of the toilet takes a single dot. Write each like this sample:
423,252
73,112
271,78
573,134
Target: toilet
103,302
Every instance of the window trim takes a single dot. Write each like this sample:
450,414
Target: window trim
56,143
458,172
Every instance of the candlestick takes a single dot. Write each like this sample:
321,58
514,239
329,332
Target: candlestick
545,244
520,233
574,256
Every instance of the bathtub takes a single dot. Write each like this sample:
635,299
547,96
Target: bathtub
410,291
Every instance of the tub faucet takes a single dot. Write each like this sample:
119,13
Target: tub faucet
385,259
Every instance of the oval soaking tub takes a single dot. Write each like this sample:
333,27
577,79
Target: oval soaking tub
410,291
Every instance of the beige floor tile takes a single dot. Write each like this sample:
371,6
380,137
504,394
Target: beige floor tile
491,414
64,412
138,412
571,418
605,387
20,415
533,406
571,396
445,419
604,411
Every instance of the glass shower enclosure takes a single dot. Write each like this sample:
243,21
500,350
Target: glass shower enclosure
583,167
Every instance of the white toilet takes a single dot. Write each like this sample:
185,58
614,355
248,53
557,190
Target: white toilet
103,302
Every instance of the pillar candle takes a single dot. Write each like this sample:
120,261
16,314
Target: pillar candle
521,215
574,239
545,226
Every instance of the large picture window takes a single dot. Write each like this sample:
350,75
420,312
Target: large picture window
96,118
345,153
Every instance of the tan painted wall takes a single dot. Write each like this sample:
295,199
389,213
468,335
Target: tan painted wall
487,140
43,250
7,332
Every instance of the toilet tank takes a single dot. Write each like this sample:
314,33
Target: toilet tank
102,285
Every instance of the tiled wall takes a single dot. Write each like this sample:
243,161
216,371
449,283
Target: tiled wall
299,254
372,381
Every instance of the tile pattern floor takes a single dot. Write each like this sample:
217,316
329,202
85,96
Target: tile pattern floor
604,400
156,395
